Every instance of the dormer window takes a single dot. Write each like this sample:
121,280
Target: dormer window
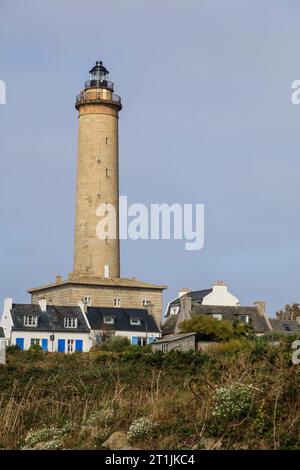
117,302
70,323
135,321
218,316
109,320
244,318
30,320
174,310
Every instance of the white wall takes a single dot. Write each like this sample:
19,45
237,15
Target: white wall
6,320
127,334
141,334
27,335
220,296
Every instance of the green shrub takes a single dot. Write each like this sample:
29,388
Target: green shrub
14,348
35,347
115,344
211,329
233,346
259,349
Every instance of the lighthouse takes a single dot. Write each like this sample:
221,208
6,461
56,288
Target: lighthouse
97,175
96,279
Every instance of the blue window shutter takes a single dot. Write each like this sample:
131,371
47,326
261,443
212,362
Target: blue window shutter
134,340
45,344
20,343
150,339
61,345
79,345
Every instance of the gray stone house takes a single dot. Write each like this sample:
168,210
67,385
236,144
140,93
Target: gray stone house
254,316
183,342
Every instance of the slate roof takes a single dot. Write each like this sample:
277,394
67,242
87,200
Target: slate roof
52,320
231,313
197,296
1,333
285,326
122,319
178,337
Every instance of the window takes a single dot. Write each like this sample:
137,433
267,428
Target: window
117,302
244,318
138,341
106,270
70,345
218,316
34,341
109,320
287,327
164,347
70,323
87,300
145,302
174,310
135,321
30,320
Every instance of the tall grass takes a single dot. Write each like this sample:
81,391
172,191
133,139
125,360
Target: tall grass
98,393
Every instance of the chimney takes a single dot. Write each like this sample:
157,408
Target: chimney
43,304
7,304
219,285
261,307
185,306
185,310
182,291
150,307
58,279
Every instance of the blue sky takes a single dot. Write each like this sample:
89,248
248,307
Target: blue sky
207,118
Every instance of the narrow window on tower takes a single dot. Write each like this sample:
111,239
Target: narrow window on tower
106,140
106,270
106,171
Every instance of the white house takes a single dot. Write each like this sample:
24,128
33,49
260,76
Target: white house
69,329
54,328
218,294
137,324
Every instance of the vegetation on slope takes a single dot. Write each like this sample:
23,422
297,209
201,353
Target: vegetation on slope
242,394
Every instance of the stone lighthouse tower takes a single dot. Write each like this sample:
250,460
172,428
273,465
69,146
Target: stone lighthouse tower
97,176
95,280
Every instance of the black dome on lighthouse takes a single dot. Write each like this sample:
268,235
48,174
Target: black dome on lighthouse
99,67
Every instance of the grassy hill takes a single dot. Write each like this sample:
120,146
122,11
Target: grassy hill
243,394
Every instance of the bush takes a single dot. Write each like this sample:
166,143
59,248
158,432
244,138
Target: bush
50,436
13,349
141,428
116,344
35,347
232,346
211,329
232,401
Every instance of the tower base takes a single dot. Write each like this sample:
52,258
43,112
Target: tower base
101,292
